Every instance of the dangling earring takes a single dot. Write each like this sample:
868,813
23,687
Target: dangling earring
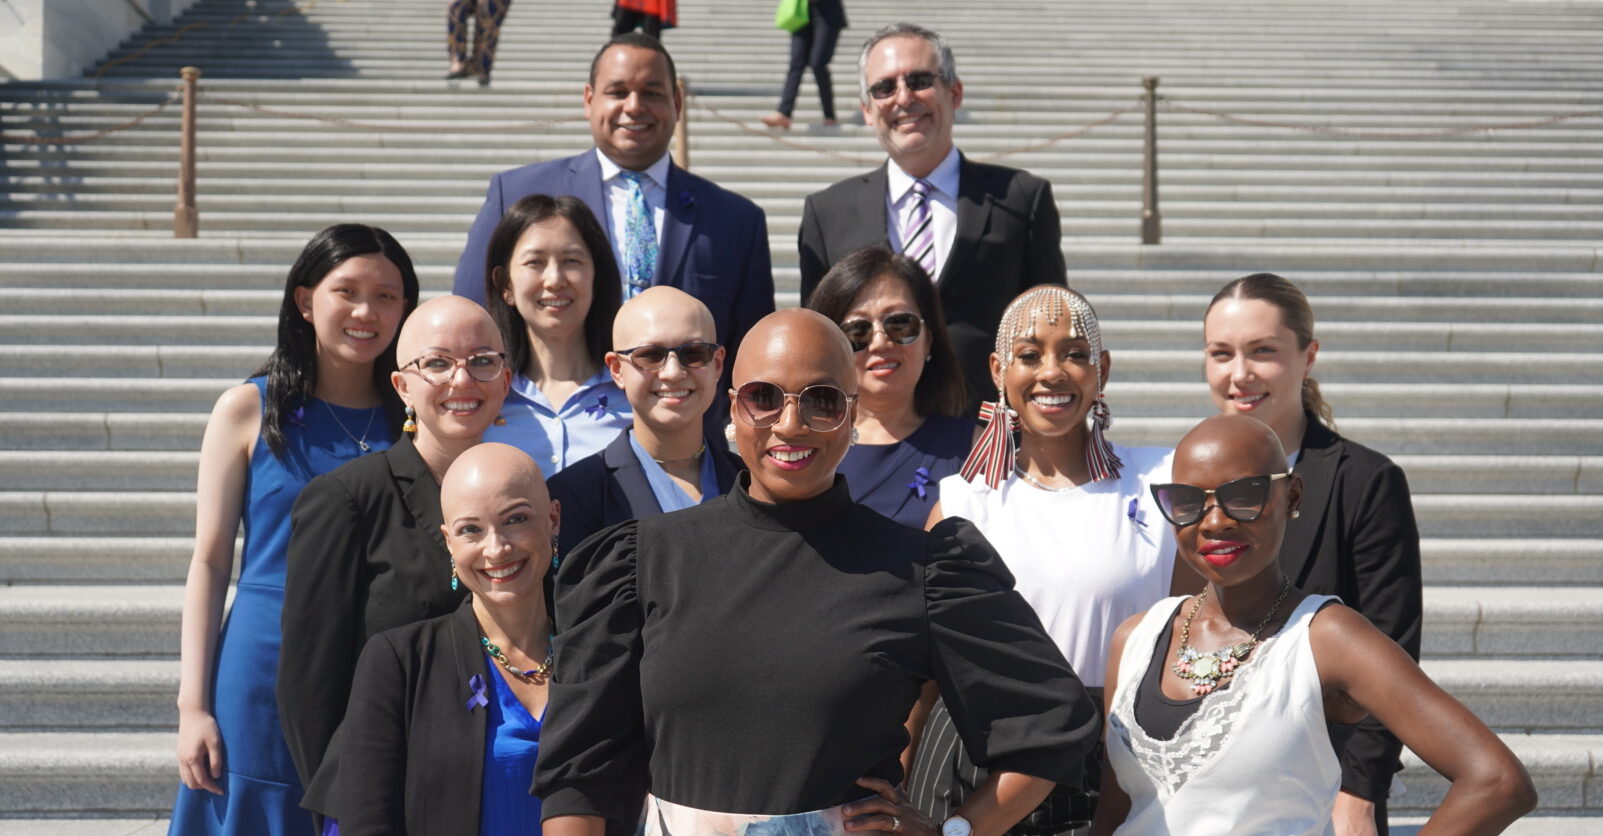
410,427
729,432
556,559
993,454
454,581
854,437
500,421
1100,459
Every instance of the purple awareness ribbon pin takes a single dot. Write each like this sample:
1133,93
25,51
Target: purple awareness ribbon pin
598,410
921,477
478,700
1136,514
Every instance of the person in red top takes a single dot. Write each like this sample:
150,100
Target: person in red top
649,16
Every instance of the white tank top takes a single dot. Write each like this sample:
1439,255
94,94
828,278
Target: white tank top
1255,758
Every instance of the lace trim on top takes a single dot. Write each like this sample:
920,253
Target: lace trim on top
1170,763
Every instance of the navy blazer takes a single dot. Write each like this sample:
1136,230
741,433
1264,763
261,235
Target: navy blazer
1356,538
1008,239
714,242
609,487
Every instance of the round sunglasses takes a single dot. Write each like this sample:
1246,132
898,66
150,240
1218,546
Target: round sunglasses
650,358
900,328
1242,500
823,407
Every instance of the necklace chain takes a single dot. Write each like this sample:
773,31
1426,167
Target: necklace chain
1042,485
1205,670
537,673
360,442
690,458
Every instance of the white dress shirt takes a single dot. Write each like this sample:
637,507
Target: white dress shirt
655,187
900,202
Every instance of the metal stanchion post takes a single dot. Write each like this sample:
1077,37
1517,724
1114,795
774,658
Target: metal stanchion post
1151,219
186,218
681,131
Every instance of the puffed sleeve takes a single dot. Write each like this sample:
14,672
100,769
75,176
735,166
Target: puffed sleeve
1386,563
592,758
1015,701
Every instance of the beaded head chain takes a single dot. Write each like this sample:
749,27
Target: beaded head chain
993,455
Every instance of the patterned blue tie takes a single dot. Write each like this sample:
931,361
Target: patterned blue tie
639,238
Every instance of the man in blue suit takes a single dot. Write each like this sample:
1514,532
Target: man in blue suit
667,226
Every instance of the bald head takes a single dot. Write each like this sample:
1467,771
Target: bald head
792,338
1233,442
486,471
661,313
442,318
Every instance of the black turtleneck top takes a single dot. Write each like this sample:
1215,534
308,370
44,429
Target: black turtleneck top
744,657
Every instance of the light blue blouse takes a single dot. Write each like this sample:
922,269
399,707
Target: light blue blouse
670,497
593,416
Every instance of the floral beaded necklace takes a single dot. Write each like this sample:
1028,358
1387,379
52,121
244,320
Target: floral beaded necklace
1206,670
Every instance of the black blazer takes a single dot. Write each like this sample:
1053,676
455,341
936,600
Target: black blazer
832,12
1356,538
608,487
365,555
412,744
1008,240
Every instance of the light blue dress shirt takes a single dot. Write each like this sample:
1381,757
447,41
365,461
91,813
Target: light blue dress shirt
593,416
671,497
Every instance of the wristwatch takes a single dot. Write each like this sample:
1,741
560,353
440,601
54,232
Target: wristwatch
956,826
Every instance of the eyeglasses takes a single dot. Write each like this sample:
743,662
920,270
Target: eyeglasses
1242,499
439,368
823,407
886,87
649,358
899,328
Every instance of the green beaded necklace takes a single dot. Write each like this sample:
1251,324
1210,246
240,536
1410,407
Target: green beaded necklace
536,674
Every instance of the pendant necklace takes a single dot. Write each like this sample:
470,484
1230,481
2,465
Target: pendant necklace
536,674
360,442
1205,670
685,459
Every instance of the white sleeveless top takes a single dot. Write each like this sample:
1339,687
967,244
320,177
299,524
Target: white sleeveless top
1255,758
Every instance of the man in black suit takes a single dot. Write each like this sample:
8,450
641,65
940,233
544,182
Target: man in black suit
985,233
665,358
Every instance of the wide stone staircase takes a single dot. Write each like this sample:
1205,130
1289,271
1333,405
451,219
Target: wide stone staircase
1430,172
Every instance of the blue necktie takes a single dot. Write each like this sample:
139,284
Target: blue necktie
639,238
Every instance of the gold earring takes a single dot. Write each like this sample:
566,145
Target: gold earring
410,427
500,421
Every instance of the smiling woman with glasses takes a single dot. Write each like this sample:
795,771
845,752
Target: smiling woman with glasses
911,432
365,553
551,283
1221,705
753,659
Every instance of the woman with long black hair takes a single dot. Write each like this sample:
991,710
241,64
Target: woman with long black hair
321,399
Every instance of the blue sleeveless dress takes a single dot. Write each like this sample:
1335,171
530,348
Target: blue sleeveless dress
262,794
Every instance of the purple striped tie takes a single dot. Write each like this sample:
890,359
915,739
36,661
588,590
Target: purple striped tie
918,235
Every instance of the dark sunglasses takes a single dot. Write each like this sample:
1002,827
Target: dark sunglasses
886,87
1242,499
823,407
899,328
649,358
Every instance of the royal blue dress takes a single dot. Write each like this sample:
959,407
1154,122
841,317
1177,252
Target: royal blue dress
902,480
262,794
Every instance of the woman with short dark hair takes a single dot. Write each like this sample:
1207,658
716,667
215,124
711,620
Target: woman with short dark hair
910,429
551,284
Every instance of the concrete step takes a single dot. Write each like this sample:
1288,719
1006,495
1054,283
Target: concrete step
55,695
1519,621
89,622
1563,766
1421,436
71,773
78,559
1483,560
1526,696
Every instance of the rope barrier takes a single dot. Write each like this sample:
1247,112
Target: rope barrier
377,126
37,139
1357,134
858,160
